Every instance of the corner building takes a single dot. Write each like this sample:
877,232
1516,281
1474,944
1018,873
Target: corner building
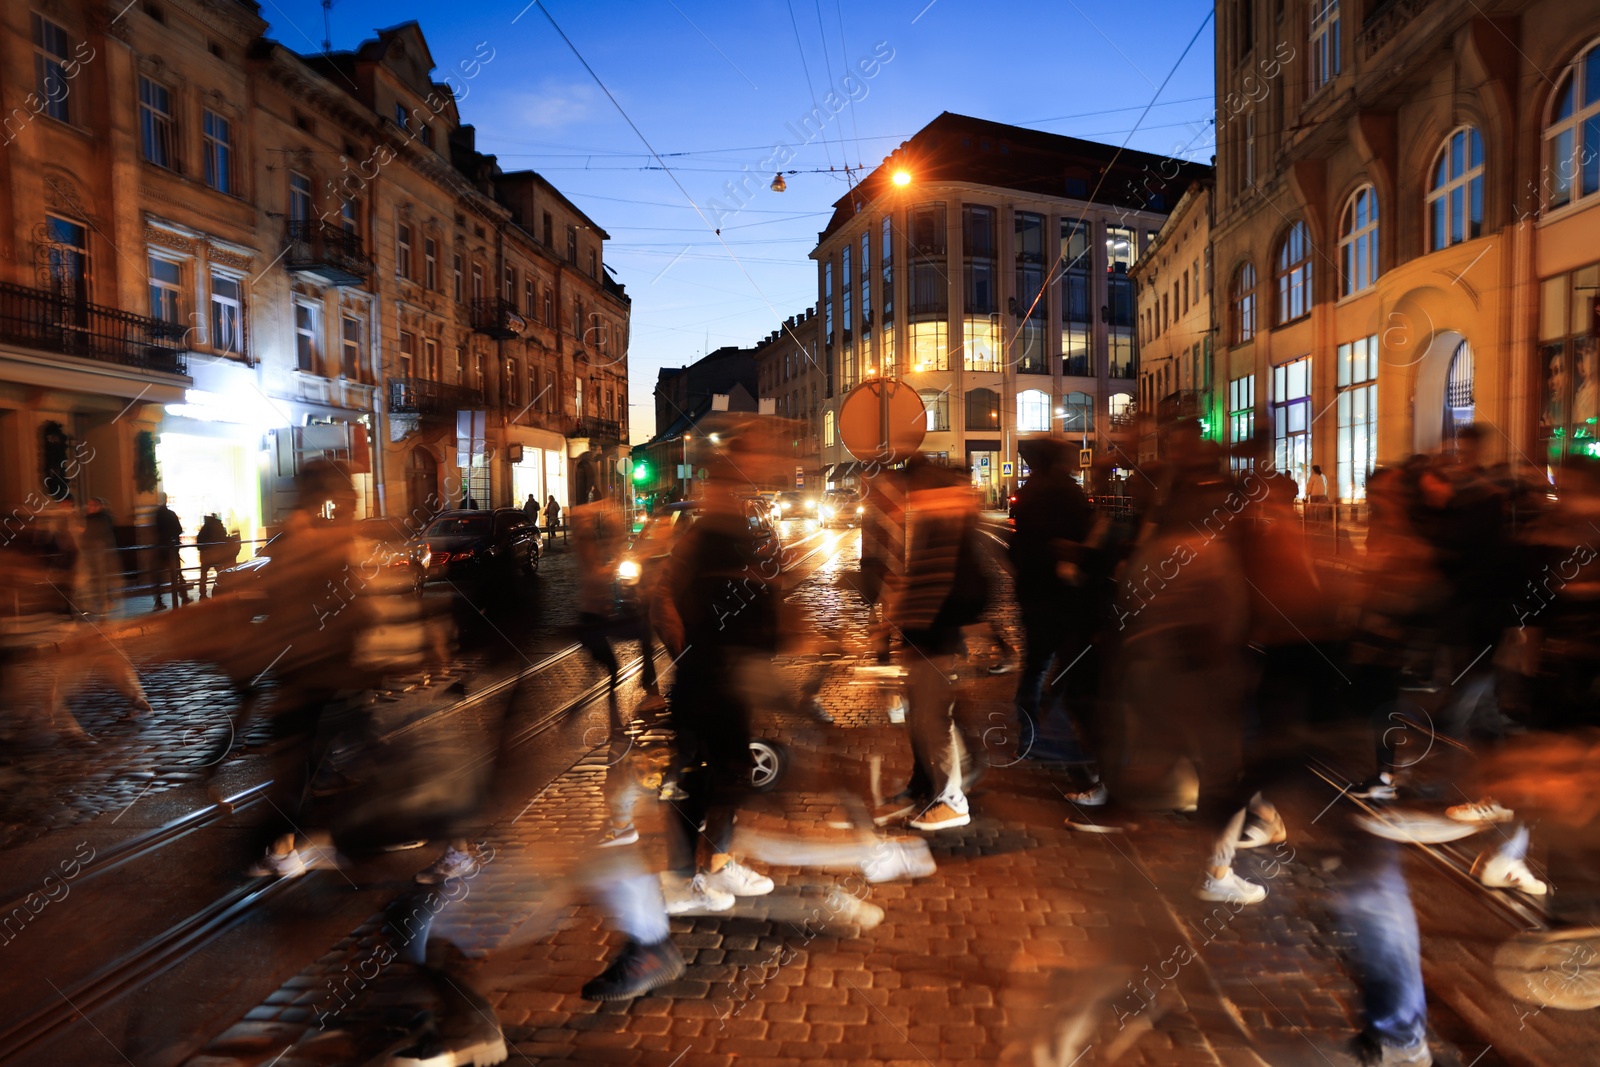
1406,214
995,281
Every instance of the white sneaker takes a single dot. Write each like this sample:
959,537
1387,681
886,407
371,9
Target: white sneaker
1486,810
619,835
893,859
1416,827
275,865
453,864
1259,832
1231,889
1095,796
684,895
1504,872
739,880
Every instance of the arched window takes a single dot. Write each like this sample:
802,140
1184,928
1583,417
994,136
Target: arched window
1292,271
827,428
1572,139
1121,409
1455,192
1243,300
1358,241
983,410
1033,411
1077,414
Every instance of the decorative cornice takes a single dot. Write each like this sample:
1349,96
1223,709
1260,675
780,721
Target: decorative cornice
155,235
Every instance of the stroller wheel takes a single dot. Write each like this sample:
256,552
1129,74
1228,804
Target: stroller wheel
767,764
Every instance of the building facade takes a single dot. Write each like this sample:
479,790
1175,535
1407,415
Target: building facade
790,374
1173,309
222,259
994,279
1407,207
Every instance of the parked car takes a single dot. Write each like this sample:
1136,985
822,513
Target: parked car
396,546
841,508
479,544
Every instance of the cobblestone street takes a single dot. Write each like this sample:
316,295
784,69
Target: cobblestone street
1026,930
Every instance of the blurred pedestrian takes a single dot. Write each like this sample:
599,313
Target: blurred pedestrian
941,589
530,508
552,516
168,566
97,548
1053,518
216,550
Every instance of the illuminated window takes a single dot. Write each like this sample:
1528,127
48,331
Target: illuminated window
1033,411
1358,416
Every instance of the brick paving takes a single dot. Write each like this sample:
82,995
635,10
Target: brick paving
1024,926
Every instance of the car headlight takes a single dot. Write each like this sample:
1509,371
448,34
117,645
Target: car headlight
811,505
628,570
427,558
782,506
861,509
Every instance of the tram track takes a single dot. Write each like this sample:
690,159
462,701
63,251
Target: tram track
184,938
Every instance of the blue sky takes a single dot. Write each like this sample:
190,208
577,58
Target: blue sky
713,86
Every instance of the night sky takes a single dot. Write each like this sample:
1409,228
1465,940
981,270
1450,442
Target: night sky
718,90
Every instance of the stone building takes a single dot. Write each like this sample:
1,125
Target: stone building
1173,309
987,265
220,259
1405,224
790,374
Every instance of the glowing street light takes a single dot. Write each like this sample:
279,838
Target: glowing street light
902,177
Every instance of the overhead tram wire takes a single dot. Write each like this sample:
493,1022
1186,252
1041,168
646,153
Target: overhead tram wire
811,89
544,8
1106,170
844,57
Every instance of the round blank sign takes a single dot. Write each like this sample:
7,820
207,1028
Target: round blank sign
861,425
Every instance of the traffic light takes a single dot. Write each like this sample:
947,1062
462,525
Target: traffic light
641,471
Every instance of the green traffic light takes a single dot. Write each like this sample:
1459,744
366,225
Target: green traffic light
641,472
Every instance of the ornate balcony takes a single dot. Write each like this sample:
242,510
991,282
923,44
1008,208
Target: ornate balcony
326,252
420,396
596,429
498,318
41,318
1126,419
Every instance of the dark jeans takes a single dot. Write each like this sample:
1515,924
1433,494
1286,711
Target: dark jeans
595,634
930,660
169,575
711,721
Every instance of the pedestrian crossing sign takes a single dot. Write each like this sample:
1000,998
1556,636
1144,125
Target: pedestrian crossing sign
1005,470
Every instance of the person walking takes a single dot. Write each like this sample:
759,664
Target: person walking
168,567
552,515
216,551
97,546
1052,516
530,508
941,589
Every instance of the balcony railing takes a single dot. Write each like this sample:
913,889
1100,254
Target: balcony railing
325,251
1125,419
39,318
596,429
421,396
498,318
